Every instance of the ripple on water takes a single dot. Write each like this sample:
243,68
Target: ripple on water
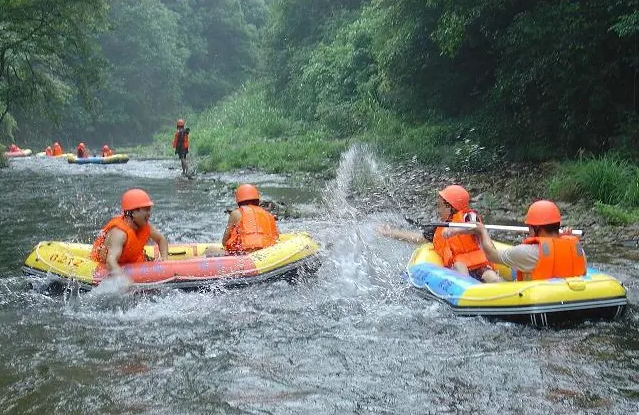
351,339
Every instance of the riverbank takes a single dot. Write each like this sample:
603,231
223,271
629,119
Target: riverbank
503,197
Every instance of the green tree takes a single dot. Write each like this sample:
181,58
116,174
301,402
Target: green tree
47,53
145,71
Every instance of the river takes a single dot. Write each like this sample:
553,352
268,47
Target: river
351,340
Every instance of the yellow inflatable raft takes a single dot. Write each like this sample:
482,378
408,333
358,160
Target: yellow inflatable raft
594,296
59,156
186,267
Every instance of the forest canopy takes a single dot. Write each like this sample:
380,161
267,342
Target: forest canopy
535,78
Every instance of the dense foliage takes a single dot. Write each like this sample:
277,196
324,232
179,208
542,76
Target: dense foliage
47,58
117,71
434,78
555,77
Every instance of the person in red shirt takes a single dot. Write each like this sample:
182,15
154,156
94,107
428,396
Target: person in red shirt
81,151
106,151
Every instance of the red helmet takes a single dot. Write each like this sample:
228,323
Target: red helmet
246,192
180,123
134,199
456,196
542,212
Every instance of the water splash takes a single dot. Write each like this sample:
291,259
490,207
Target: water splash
352,202
358,172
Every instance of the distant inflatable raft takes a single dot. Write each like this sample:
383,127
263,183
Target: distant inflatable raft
21,153
114,159
186,267
59,156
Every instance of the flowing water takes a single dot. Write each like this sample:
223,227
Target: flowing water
351,340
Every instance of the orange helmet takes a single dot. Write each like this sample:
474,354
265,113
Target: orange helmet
542,212
246,192
105,147
456,196
180,123
134,199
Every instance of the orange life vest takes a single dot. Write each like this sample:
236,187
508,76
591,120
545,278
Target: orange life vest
559,257
181,140
81,152
57,150
459,248
255,230
133,250
107,153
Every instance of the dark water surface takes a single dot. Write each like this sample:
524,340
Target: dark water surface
352,340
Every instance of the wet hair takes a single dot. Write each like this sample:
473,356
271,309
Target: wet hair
128,213
550,228
255,202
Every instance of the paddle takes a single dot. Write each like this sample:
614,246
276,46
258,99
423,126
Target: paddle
489,227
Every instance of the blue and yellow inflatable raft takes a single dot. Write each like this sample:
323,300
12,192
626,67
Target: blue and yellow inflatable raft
114,159
558,300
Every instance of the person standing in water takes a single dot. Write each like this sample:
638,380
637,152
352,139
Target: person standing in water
181,145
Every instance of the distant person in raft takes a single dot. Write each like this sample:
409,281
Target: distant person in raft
122,239
48,151
548,252
181,145
249,227
106,151
57,149
81,151
458,247
14,148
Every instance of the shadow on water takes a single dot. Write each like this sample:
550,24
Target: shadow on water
352,339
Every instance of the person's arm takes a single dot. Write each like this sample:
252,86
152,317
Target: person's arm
175,137
115,243
159,239
470,217
234,219
400,234
487,244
